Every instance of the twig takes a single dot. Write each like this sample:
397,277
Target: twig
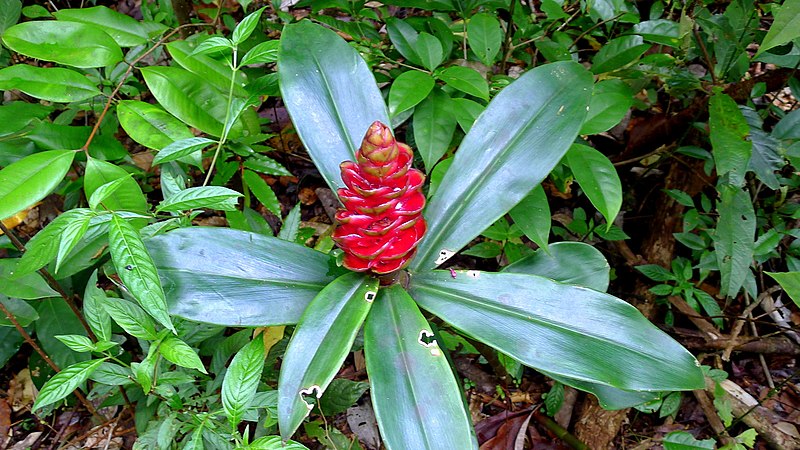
710,331
711,415
754,330
559,431
706,56
739,324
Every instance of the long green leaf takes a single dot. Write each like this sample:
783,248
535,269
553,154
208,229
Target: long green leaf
575,263
54,84
214,197
330,93
512,146
734,238
136,269
30,179
89,46
728,131
64,382
434,125
150,125
241,380
790,282
320,343
235,278
417,399
126,31
785,27
127,197
562,329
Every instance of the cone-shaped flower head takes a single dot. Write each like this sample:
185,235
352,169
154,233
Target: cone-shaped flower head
381,222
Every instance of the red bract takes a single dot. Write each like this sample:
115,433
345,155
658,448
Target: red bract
381,222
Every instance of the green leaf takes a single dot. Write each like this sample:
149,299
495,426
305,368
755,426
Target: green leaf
131,318
607,396
598,178
77,342
270,283
618,53
611,100
536,118
319,345
466,112
291,225
125,30
262,53
485,37
241,380
532,216
656,272
408,90
212,197
429,49
89,45
559,263
51,136
416,398
214,71
112,374
659,31
52,84
128,196
266,165
136,269
56,318
150,125
790,282
273,443
22,311
44,246
72,232
734,238
562,335
466,80
214,44
188,97
262,191
179,149
341,395
728,133
404,38
64,382
710,306
178,352
9,15
104,191
484,250
785,27
434,125
94,300
246,26
681,440
330,93
29,287
30,179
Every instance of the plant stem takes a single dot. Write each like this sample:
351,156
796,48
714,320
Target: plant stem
225,127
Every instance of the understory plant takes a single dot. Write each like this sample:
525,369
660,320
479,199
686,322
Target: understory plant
387,274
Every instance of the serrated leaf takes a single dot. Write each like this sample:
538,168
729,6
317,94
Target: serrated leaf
656,272
178,352
262,191
485,37
241,380
48,83
273,443
212,197
64,382
136,269
30,179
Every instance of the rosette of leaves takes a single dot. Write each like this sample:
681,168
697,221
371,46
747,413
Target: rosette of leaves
578,336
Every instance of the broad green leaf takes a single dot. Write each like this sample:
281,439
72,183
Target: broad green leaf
408,90
214,71
51,136
127,197
536,118
728,131
467,80
246,27
659,31
466,112
273,443
94,300
485,37
242,378
574,263
330,93
319,345
788,128
104,191
89,46
57,318
91,249
189,97
404,38
63,383
30,179
618,53
266,165
10,342
52,84
112,374
126,31
262,191
429,50
181,148
790,282
150,125
734,238
23,312
611,100
532,216
341,395
434,125
76,342
291,225
44,246
15,116
598,178
681,440
136,269
178,352
72,232
214,44
131,318
212,197
30,286
270,282
562,333
417,399
607,396
262,53
785,27
9,15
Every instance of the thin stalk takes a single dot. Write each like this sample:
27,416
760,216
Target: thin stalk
225,127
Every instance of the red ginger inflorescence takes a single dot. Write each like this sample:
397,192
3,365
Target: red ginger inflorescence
381,222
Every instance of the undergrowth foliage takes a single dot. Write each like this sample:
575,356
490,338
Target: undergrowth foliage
128,302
